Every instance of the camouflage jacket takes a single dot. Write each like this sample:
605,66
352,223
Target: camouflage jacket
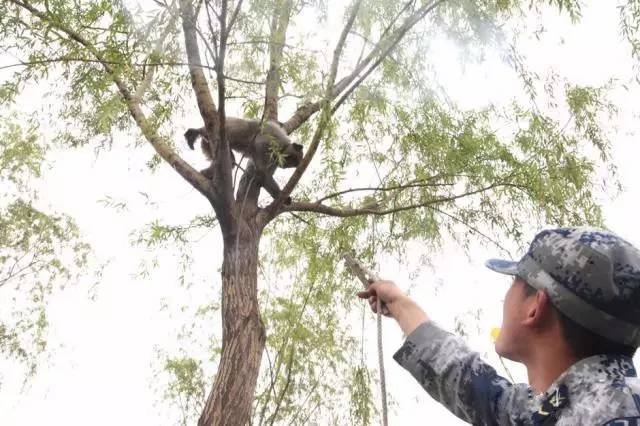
599,390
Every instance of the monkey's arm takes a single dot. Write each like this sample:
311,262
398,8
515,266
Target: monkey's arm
265,166
252,174
270,184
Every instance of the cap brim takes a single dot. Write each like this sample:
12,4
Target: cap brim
506,267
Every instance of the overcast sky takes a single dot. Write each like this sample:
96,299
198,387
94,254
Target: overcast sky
101,370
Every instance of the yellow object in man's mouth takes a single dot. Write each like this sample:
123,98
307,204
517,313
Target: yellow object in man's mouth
495,332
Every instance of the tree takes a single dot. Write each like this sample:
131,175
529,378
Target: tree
435,168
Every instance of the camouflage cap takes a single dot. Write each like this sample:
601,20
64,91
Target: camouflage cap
591,276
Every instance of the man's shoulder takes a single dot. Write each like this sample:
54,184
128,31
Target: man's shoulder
605,402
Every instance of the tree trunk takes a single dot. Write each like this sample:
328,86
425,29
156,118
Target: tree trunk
243,334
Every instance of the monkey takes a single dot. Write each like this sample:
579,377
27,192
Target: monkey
265,144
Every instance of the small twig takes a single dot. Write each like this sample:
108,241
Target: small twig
300,218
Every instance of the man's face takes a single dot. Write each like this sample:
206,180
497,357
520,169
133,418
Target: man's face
513,340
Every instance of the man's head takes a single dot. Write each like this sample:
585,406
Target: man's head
580,284
526,317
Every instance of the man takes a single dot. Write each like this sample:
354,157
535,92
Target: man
571,316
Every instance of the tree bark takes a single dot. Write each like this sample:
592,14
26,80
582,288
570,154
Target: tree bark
279,24
243,332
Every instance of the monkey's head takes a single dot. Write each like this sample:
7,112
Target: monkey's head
292,156
191,135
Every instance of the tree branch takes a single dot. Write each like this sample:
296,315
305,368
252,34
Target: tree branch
382,49
223,159
19,273
146,82
214,123
197,180
378,211
269,390
279,24
397,35
472,228
234,17
198,80
213,52
303,405
414,184
283,393
66,59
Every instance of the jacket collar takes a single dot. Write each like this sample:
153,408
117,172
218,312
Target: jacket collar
594,369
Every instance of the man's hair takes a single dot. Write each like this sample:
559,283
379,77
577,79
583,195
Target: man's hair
583,342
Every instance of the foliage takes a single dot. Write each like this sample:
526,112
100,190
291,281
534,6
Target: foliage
39,251
630,28
186,388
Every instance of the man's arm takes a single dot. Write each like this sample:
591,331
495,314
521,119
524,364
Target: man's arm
408,314
447,368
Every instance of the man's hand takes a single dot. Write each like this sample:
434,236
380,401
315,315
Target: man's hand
396,304
388,293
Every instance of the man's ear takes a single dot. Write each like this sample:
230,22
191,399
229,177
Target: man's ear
537,308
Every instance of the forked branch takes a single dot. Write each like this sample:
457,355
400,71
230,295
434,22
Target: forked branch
213,121
380,51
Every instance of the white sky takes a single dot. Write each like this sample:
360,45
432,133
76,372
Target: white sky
101,373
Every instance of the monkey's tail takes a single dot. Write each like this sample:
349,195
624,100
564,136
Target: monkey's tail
192,135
